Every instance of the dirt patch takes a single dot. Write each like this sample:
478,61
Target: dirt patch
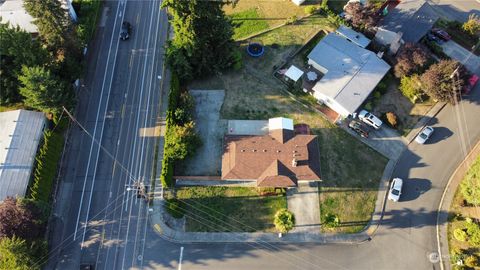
407,113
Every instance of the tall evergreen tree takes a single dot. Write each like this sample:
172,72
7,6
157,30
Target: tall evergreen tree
203,41
43,91
51,19
17,48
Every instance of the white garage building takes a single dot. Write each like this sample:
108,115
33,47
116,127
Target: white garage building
21,133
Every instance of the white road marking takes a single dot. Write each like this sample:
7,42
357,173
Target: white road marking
180,259
139,165
94,134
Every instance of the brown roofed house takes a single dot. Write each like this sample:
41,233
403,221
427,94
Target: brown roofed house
278,159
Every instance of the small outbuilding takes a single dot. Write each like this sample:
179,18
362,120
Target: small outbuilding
20,136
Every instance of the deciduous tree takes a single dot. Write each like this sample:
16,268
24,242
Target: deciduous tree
444,80
411,59
20,218
181,141
472,26
411,88
17,48
361,16
19,254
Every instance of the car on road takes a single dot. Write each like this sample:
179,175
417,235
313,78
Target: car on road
441,34
125,31
472,81
395,189
359,128
370,119
423,136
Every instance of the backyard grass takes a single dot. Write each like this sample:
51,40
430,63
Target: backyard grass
350,170
248,22
459,213
271,13
232,209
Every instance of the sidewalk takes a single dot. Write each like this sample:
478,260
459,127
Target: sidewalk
446,201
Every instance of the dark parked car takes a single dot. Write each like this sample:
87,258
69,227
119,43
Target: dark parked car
432,37
442,34
126,31
359,128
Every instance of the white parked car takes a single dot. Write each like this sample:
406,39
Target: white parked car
424,135
395,189
370,119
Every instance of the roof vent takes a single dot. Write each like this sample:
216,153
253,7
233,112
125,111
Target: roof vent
243,150
264,150
278,151
253,150
294,163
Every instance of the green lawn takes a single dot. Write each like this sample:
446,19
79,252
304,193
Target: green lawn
232,209
248,22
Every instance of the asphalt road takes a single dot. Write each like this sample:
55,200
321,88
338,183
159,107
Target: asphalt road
98,220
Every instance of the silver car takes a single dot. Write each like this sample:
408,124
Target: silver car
370,119
424,135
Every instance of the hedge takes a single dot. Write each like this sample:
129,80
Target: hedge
45,171
166,176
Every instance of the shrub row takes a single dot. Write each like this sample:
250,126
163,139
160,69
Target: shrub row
45,171
166,176
89,11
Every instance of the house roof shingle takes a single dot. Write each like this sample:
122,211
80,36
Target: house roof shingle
268,158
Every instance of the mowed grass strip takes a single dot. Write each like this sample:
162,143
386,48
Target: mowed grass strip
229,209
248,22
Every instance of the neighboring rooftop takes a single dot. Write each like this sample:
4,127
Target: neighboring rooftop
414,18
21,132
351,72
353,36
12,11
278,159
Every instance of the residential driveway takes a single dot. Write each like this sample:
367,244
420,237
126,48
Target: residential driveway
208,159
303,202
386,141
457,52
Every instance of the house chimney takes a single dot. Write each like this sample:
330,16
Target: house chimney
294,163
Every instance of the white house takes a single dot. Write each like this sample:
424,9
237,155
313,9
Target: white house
21,133
350,73
13,12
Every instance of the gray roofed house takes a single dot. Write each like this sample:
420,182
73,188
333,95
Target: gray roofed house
350,73
353,36
21,134
413,18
